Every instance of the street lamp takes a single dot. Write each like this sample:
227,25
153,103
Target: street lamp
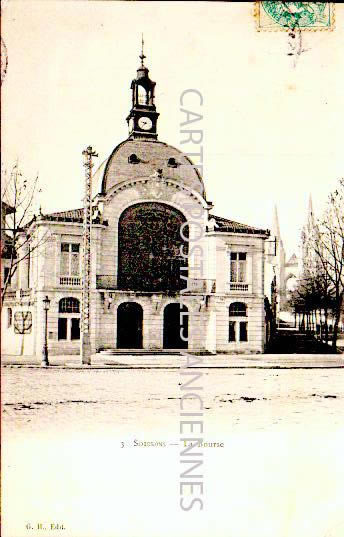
46,306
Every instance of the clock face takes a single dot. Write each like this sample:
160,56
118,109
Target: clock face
145,123
131,124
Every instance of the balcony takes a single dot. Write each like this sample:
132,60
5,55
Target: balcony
70,281
239,287
24,293
10,294
194,285
18,294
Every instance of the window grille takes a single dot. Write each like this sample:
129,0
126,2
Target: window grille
237,309
69,305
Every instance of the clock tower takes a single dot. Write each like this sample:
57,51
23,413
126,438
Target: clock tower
142,119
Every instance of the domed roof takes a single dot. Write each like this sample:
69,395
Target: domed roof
147,157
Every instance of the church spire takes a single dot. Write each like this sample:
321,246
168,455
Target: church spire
275,224
309,224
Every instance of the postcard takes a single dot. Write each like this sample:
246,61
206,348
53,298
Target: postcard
172,269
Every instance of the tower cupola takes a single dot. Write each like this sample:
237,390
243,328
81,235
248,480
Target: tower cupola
142,119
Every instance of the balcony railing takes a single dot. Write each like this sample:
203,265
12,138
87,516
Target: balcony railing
239,287
70,280
17,294
10,294
24,293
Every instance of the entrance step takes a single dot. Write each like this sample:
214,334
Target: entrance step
139,352
146,352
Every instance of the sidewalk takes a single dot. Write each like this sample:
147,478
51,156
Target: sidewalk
258,361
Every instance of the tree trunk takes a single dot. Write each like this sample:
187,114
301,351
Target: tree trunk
326,324
321,325
338,309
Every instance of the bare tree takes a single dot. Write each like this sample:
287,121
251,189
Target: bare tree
19,203
312,300
328,244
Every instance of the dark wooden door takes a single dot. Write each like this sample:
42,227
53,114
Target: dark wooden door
173,323
129,326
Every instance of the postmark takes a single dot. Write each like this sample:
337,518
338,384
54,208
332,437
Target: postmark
289,16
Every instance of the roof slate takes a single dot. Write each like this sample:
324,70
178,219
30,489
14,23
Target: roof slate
73,215
223,224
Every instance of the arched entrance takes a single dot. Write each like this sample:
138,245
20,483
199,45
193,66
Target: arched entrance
129,326
175,320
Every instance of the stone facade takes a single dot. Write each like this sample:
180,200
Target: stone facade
224,291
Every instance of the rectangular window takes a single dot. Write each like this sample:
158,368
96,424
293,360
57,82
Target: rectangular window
9,317
238,267
70,259
62,328
231,331
243,331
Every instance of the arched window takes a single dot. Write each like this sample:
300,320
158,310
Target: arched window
237,309
69,305
142,95
149,245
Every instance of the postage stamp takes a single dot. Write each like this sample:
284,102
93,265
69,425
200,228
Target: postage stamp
286,16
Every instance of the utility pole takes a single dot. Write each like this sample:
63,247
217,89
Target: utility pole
85,342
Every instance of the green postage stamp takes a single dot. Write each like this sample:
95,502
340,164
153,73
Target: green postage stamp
282,16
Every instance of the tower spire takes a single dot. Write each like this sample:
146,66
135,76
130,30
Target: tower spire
275,224
142,56
310,214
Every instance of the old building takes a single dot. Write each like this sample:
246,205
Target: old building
166,273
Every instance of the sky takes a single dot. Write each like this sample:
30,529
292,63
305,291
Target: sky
272,126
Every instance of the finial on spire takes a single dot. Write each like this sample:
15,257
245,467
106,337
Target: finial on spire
142,56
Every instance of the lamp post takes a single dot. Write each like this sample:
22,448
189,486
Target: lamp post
46,305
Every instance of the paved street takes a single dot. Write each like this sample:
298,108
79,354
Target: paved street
56,399
64,430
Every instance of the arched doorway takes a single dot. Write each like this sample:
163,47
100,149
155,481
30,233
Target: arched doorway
175,320
129,326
